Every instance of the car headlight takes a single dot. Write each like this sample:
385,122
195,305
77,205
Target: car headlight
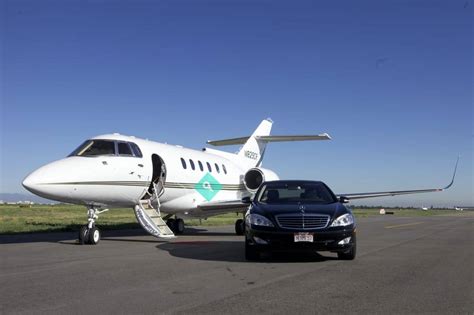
256,219
344,220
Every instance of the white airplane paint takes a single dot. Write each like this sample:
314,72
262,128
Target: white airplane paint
113,170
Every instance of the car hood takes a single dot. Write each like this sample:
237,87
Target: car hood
333,209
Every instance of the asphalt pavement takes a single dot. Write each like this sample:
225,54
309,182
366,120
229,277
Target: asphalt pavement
404,265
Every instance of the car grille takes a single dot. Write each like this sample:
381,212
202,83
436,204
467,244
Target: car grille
303,222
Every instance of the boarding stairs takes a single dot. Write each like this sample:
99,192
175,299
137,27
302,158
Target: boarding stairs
148,213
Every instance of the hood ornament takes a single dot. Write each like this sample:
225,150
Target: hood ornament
302,208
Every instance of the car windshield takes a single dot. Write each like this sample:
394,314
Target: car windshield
95,148
316,193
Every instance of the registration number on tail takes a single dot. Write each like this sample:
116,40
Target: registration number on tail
304,237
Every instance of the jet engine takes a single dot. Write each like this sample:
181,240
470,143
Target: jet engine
254,177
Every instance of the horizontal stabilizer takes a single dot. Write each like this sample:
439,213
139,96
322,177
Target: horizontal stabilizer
323,136
232,141
242,140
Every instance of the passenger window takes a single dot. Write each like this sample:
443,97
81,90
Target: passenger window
192,164
217,167
124,149
183,162
225,170
200,166
136,150
209,167
95,148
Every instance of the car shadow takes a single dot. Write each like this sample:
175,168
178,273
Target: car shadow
233,251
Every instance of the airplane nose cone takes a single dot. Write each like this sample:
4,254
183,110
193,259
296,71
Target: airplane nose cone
32,183
43,181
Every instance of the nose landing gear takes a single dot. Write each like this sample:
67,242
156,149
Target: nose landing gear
90,234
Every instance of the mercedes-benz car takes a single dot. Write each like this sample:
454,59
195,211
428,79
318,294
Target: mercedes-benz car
298,215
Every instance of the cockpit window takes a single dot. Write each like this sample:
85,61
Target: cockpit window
136,150
95,148
98,147
124,149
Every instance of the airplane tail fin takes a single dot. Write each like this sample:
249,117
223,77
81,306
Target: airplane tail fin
253,148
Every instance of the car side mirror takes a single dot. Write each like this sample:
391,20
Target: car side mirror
246,200
343,199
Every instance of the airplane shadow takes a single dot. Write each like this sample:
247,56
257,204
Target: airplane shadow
233,251
68,238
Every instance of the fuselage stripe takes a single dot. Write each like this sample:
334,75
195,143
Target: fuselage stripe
145,184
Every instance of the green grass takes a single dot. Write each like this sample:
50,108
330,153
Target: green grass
47,218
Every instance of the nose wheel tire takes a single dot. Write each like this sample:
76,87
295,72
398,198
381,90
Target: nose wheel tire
84,235
89,236
94,236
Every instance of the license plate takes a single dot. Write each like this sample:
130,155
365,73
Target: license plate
304,237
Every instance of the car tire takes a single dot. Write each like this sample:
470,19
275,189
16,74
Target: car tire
251,253
351,253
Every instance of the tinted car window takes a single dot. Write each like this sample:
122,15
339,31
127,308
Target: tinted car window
316,193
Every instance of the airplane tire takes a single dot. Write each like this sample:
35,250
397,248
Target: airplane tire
179,226
239,227
84,235
170,223
94,236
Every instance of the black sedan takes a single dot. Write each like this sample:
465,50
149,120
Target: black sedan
298,215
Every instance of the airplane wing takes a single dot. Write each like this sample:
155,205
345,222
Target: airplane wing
242,140
398,192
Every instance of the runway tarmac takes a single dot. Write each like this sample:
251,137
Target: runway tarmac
404,265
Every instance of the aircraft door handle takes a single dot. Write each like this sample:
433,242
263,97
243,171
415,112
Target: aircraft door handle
141,165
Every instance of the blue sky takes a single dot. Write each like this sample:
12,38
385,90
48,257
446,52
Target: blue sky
390,81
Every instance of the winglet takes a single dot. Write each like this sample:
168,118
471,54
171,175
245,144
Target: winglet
454,174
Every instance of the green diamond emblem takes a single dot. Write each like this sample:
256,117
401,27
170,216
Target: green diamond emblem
208,187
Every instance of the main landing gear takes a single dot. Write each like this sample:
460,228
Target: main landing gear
239,227
90,234
176,225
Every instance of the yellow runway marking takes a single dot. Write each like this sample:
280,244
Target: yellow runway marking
402,225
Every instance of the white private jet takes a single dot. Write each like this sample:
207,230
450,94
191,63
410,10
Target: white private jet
113,170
